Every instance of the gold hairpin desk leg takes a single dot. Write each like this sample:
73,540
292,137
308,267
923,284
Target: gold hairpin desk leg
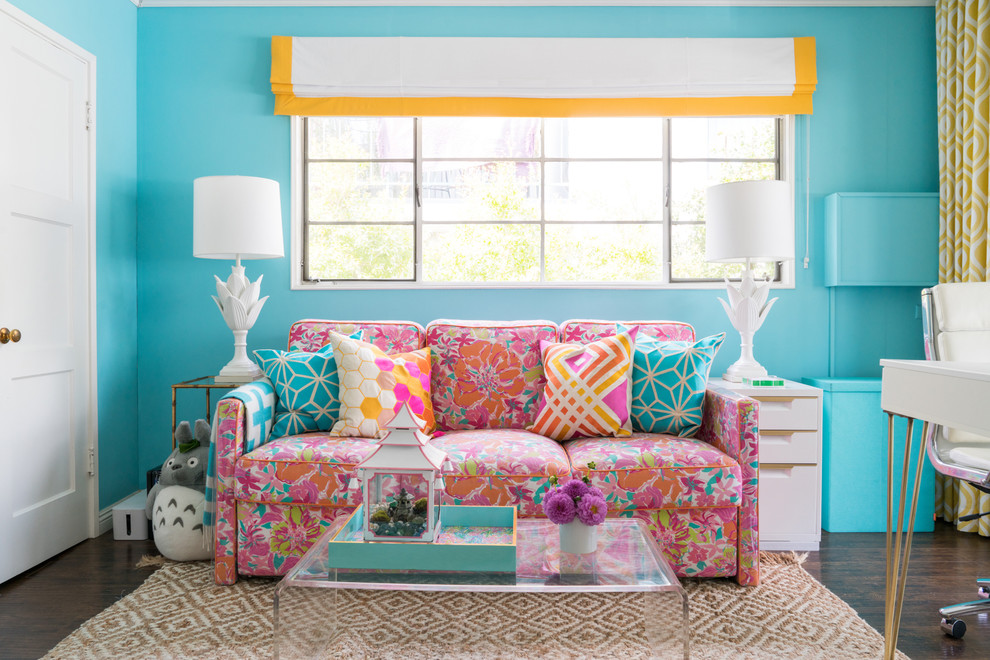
897,563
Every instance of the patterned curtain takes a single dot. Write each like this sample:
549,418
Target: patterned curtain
962,30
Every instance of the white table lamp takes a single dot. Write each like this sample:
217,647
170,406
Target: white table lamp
237,217
748,221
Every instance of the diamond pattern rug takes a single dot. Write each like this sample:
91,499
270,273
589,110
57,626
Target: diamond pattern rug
179,613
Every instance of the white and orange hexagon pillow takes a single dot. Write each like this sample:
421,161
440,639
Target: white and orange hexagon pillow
374,385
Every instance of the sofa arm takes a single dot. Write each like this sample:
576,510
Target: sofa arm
730,423
243,422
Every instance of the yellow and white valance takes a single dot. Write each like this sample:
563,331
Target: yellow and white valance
537,76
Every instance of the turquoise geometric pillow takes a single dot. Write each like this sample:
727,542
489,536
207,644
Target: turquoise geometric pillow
307,388
669,381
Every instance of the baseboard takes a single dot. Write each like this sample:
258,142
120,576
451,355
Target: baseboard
105,520
802,546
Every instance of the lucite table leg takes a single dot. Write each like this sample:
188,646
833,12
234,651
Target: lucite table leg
897,557
277,617
667,623
686,627
306,622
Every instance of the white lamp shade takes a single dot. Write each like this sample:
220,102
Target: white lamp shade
236,217
749,220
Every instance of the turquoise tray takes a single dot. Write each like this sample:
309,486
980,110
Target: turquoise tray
471,538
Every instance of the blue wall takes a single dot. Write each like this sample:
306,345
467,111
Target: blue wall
108,29
198,81
206,108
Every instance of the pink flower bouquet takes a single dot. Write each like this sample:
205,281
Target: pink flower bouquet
575,499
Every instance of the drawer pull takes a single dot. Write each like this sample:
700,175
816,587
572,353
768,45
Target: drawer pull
777,404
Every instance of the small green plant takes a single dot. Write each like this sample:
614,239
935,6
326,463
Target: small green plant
399,517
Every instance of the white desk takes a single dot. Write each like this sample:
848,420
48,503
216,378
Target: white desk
955,394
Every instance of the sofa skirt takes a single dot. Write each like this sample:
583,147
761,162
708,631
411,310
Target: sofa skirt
271,538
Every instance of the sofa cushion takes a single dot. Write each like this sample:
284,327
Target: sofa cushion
585,331
589,388
374,386
669,379
503,467
307,389
390,336
313,468
486,374
657,471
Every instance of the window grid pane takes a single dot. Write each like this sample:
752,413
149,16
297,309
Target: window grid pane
510,200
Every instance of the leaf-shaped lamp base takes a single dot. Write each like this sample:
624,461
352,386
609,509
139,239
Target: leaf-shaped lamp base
241,369
746,313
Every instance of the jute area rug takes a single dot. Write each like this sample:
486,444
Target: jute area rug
179,613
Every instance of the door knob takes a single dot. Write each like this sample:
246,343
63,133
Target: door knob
9,335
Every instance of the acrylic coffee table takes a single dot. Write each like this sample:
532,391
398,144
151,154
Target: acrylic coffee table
310,612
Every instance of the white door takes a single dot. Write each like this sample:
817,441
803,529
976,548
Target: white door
46,386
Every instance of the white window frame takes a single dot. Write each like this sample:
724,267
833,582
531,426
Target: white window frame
297,193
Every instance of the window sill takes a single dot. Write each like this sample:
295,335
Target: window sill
648,286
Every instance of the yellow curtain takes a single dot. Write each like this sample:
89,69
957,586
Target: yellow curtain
962,30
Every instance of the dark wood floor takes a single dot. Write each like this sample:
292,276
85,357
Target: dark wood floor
943,569
40,607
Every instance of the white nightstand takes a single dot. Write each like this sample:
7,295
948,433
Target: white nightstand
790,422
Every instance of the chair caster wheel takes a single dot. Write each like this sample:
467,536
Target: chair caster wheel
954,628
983,592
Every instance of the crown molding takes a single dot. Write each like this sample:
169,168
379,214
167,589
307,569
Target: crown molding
534,3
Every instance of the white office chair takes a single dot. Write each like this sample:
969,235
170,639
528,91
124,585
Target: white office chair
956,324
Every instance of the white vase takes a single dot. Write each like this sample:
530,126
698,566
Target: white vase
578,538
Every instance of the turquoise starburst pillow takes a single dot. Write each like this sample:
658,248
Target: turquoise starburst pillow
307,387
669,381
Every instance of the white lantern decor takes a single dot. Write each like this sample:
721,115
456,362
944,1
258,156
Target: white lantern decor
401,482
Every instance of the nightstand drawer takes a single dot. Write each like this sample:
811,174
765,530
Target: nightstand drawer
789,447
789,502
787,413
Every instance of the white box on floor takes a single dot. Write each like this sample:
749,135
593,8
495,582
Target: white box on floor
129,521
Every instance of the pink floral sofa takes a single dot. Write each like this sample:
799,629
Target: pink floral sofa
697,495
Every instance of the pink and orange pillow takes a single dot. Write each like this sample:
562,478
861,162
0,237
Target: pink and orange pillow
589,388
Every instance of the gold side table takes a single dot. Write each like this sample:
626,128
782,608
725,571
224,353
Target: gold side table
205,383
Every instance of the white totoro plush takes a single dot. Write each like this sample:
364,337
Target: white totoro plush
175,504
177,523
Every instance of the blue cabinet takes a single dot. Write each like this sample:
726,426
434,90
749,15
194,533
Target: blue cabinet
881,239
854,459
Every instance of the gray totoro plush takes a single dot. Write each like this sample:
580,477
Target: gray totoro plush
175,504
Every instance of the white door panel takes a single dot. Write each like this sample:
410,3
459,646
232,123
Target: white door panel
44,257
44,131
46,489
50,472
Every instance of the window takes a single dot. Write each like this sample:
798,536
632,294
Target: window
448,201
